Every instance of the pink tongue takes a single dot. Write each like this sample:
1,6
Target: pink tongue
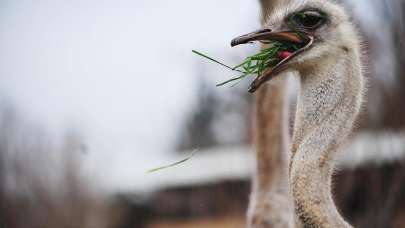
284,54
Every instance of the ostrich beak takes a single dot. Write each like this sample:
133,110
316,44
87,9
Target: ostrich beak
265,36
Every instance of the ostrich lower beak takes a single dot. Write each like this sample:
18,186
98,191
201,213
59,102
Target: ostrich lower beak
265,36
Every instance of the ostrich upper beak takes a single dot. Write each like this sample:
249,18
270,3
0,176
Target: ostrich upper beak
266,35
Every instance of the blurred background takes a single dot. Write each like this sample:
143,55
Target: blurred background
95,93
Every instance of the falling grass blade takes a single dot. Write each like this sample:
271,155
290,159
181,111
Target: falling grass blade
173,164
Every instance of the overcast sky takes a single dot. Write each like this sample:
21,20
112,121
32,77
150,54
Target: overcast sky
121,71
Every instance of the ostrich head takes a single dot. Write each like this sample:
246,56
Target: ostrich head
322,27
332,88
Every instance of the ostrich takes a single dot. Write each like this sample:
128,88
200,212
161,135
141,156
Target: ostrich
270,204
332,88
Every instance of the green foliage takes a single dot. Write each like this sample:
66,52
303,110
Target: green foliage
255,64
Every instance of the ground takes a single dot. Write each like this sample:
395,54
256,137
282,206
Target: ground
218,222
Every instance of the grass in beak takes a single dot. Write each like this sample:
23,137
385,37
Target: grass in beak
257,63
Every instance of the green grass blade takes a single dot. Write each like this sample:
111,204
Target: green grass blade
214,60
231,80
173,164
247,60
257,63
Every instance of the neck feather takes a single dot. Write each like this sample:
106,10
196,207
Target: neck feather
329,101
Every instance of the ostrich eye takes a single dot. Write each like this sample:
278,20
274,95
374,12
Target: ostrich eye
310,19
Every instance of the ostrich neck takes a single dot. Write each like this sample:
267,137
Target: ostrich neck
328,104
271,136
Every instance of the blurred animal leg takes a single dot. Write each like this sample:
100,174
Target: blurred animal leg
270,204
